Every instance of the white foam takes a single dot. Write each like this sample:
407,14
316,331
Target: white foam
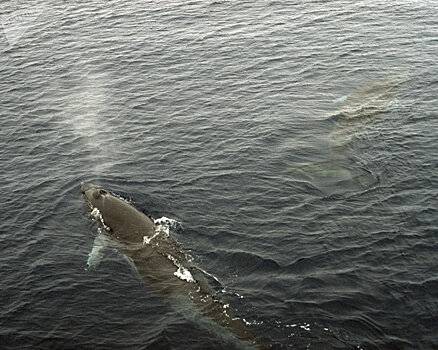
95,213
306,327
249,323
147,239
291,325
240,296
172,259
166,221
182,273
165,224
162,226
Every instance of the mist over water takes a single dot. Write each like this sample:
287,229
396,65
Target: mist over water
86,115
294,144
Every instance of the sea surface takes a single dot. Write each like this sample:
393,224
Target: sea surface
295,143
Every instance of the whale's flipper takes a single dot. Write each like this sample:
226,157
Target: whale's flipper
101,242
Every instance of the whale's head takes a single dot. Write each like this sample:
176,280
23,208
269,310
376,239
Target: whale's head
116,215
95,195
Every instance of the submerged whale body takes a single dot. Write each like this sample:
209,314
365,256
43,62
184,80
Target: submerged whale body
164,266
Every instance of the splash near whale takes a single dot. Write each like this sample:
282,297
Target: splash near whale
164,266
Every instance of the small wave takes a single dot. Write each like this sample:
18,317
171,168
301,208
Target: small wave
247,262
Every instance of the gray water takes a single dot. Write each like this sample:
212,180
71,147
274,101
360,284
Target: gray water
295,143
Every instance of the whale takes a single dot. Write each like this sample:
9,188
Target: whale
165,267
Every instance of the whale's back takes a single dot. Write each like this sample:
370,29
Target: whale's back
125,222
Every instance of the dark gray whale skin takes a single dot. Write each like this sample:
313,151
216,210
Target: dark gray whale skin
158,260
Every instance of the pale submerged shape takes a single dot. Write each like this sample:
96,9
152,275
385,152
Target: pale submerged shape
95,256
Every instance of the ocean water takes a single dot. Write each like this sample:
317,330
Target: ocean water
295,143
